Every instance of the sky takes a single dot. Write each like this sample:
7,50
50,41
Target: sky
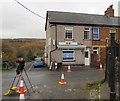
17,22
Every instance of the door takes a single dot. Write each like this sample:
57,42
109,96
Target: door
87,57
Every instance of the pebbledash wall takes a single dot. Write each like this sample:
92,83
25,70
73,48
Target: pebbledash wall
57,55
78,49
78,37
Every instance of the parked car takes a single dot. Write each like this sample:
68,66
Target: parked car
5,64
38,62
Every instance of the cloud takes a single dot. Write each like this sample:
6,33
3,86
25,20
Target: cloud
19,22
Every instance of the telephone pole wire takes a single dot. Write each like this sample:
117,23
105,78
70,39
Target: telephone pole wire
29,10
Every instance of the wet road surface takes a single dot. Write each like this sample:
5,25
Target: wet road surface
46,86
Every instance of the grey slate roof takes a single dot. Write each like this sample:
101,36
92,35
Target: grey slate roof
82,19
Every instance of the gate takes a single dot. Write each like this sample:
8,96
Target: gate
107,72
95,64
112,73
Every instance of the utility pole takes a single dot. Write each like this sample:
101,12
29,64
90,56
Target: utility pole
112,68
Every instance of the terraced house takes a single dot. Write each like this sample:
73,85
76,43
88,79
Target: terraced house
73,38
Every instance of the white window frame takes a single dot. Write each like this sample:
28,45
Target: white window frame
73,55
113,30
88,33
49,41
70,29
95,50
98,34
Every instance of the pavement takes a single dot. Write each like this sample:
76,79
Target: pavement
46,86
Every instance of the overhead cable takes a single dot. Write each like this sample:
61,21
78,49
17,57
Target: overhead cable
29,9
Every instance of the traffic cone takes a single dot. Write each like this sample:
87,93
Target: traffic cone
22,97
21,86
101,68
69,68
62,79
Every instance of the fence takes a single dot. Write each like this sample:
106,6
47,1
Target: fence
113,69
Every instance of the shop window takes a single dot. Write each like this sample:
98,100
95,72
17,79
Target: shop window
68,55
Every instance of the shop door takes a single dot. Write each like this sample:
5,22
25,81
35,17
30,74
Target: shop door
87,57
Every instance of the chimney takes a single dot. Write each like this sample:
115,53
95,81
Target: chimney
110,11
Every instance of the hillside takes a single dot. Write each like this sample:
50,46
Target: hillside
27,48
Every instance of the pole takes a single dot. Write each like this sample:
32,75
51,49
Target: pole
13,82
106,69
119,72
112,69
28,79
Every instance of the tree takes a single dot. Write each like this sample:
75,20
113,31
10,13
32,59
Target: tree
30,55
9,54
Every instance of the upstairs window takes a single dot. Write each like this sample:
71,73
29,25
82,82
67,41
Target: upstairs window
96,33
68,32
86,33
113,30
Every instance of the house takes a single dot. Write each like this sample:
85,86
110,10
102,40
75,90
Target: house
72,38
101,34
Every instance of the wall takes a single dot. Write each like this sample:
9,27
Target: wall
101,44
78,36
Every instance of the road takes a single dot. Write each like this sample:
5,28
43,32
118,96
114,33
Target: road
45,82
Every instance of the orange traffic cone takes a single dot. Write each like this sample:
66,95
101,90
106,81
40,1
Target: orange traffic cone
101,68
69,68
21,86
62,79
22,97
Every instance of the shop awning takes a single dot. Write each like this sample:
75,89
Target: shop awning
71,46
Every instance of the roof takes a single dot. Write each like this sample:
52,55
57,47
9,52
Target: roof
57,17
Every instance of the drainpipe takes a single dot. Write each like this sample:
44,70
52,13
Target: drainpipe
55,42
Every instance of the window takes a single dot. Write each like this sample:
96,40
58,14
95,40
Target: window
68,32
95,50
49,41
113,30
96,33
68,55
86,33
86,54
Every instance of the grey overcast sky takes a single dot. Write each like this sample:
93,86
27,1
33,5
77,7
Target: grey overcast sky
17,22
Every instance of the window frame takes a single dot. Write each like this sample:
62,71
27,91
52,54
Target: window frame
88,33
96,50
69,29
112,30
98,33
68,59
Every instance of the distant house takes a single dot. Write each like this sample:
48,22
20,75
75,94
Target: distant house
71,38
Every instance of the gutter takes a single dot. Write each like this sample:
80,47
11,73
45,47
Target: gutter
55,42
85,24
